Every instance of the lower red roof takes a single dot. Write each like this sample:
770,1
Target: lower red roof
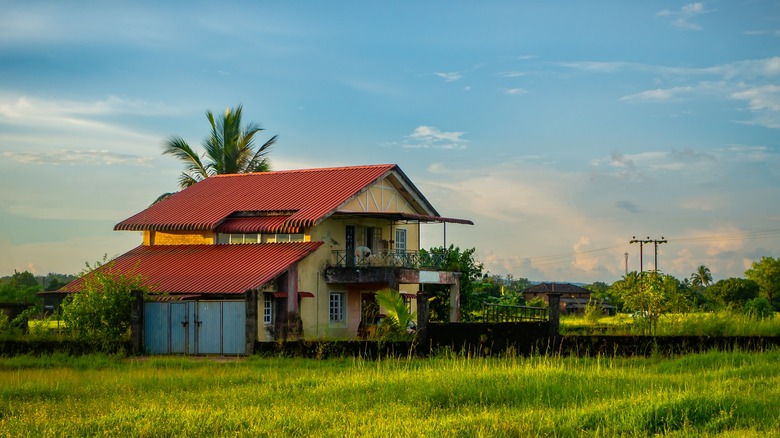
208,269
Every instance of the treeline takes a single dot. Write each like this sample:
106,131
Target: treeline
22,287
655,293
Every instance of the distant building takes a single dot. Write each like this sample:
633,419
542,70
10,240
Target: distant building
573,298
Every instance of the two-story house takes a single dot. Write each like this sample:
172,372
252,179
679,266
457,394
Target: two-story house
239,258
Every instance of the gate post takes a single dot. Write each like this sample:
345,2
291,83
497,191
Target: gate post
137,321
554,309
251,322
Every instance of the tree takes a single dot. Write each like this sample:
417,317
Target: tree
471,295
732,293
650,294
702,277
229,148
22,287
766,272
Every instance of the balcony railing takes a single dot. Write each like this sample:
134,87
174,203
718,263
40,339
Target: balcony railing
388,259
509,313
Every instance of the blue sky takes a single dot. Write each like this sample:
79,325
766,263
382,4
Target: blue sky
562,129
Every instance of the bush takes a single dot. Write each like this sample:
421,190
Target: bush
759,308
100,311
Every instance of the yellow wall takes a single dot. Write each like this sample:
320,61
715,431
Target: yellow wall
314,311
178,238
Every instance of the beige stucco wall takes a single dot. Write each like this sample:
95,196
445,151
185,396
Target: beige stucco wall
382,196
314,311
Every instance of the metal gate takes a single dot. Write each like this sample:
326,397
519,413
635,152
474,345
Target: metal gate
195,327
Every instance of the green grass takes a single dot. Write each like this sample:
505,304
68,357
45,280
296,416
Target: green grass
716,394
721,323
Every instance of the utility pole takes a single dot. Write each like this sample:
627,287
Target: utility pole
641,243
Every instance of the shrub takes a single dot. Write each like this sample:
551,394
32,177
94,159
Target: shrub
759,308
100,311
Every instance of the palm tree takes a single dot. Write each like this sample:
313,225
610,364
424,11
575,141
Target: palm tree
702,277
228,149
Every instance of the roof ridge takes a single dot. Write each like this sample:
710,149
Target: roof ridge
312,169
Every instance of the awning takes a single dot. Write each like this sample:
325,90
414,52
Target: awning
401,216
305,294
279,294
410,296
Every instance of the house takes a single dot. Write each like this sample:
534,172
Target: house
245,257
573,298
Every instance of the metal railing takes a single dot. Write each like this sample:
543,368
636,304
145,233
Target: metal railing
510,313
385,259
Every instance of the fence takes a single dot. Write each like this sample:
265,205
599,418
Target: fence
512,313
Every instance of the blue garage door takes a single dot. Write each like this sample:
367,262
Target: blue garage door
195,327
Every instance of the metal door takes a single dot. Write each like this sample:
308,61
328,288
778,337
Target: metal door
233,327
157,323
182,328
208,329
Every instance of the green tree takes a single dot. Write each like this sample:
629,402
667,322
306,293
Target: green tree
100,311
702,277
22,287
651,294
229,148
731,293
471,295
766,272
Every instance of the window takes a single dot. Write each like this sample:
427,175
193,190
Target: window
268,309
280,238
336,307
400,240
223,239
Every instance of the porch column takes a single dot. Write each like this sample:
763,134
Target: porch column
422,323
455,299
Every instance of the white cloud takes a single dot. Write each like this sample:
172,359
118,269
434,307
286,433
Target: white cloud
658,95
86,157
516,91
449,76
425,137
764,102
681,18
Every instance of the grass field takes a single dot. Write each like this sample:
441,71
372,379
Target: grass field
716,394
721,323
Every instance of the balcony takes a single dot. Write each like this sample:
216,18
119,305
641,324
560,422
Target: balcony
391,259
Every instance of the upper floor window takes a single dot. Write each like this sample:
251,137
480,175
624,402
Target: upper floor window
400,239
223,238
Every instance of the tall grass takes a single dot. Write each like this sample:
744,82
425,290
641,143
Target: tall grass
722,323
714,393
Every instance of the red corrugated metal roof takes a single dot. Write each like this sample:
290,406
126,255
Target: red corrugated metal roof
311,194
208,269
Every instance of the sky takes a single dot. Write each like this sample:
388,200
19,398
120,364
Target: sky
562,129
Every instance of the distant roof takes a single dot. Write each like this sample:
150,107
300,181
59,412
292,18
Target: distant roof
207,269
281,201
565,288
